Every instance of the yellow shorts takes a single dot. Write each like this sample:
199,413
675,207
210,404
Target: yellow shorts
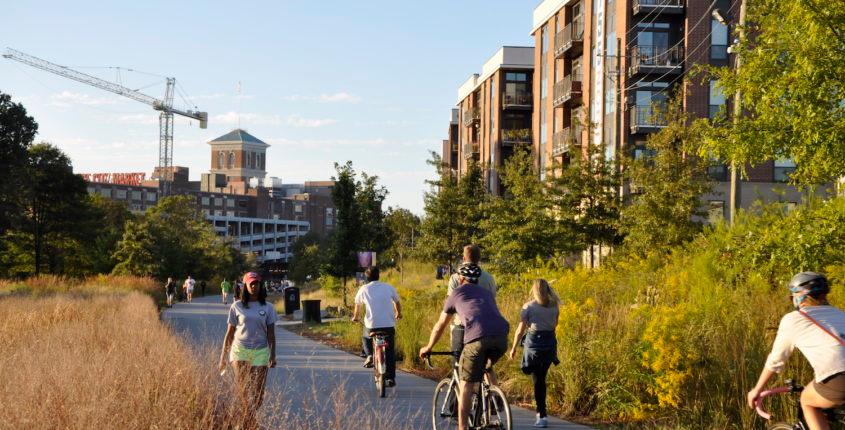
255,357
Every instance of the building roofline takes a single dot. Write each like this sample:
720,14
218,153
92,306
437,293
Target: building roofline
497,61
545,10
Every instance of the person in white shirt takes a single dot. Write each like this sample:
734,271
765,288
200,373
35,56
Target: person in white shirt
382,310
817,329
189,288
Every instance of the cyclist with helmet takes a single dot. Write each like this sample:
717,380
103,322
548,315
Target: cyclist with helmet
485,334
817,329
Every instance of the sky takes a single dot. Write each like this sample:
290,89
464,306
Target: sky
322,81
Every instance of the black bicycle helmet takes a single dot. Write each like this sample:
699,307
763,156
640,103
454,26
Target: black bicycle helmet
470,271
814,283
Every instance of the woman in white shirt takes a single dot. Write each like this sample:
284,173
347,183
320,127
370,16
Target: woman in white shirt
817,329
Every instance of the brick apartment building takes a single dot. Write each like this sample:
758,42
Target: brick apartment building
607,63
494,112
263,215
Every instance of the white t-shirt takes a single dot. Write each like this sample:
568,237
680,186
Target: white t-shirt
378,297
189,284
825,354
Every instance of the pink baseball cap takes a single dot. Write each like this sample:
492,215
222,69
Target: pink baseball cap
250,277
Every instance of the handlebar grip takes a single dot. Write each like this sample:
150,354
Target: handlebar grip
758,404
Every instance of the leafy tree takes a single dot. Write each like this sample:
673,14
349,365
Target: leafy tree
369,197
666,211
521,225
308,258
404,228
791,83
109,221
17,131
453,212
345,238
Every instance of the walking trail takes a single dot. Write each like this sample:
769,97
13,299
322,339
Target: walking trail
319,384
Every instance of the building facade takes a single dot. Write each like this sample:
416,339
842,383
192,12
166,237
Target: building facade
494,113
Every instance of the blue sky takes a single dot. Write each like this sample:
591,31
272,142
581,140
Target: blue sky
322,81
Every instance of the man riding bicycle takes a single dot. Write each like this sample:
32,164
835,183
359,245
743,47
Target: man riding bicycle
485,334
383,309
471,255
816,328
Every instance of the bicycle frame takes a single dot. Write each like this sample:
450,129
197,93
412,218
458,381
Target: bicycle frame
379,347
835,415
481,416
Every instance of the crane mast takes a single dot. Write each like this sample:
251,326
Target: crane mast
164,105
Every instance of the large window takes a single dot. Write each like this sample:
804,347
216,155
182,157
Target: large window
783,169
544,68
221,159
718,40
717,98
232,159
517,89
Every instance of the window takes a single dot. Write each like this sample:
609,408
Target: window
221,159
218,201
120,194
716,211
576,69
230,203
718,40
106,192
232,159
151,196
717,98
297,208
205,201
544,68
783,169
136,195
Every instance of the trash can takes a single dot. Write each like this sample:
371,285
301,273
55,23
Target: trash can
291,300
311,311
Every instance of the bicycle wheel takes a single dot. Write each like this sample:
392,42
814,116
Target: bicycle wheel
782,426
444,406
500,410
380,387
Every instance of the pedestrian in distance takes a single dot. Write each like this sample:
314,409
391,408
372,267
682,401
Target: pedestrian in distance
250,346
536,333
382,310
202,288
190,283
225,290
170,291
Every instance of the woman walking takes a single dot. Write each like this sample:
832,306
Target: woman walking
250,345
170,291
538,318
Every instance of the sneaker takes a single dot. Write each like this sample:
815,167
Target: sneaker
390,382
541,422
368,363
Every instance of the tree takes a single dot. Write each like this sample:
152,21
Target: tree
369,198
793,67
308,258
521,225
584,195
453,211
345,238
404,228
109,218
666,211
17,131
54,201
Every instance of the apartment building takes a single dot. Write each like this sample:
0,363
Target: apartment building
602,67
449,152
494,113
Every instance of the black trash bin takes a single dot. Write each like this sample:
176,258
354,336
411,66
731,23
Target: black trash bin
311,311
291,300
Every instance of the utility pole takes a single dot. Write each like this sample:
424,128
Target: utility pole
737,111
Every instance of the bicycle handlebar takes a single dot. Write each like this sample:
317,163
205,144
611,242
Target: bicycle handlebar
428,356
758,404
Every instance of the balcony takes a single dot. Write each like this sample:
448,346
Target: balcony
472,116
517,100
471,149
656,59
563,140
570,40
516,136
567,90
645,119
673,7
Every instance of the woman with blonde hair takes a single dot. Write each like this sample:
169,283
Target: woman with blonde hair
538,320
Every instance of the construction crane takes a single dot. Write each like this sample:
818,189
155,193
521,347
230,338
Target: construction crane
164,105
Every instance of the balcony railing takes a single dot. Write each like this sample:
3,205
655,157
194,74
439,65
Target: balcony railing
471,149
517,99
563,140
569,89
646,118
658,6
516,136
655,59
572,36
472,115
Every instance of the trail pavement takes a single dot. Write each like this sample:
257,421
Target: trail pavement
313,379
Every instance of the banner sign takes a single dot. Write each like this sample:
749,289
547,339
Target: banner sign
115,178
366,259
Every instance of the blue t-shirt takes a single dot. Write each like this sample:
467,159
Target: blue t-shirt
476,307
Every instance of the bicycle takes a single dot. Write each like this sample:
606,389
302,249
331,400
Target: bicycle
834,415
489,408
379,361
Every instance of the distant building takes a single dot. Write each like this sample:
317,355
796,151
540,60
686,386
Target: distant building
263,215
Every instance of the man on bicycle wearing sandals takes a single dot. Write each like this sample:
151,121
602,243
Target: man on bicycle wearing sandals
485,334
816,328
383,309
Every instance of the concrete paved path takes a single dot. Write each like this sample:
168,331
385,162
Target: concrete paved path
323,387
